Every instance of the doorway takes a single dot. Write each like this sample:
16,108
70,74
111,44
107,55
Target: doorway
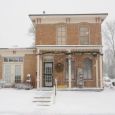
48,74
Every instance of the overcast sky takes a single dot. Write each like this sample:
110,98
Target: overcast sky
15,23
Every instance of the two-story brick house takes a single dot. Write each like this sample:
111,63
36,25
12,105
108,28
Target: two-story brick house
68,48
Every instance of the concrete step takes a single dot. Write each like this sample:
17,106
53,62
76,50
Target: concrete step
44,97
45,89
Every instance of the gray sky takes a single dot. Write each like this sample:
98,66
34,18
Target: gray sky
15,23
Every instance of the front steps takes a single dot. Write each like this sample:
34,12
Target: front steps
45,97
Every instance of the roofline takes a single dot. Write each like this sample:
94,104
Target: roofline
68,14
31,48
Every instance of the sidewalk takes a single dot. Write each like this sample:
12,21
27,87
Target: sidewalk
19,102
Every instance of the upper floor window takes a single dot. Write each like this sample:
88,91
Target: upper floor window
61,35
84,35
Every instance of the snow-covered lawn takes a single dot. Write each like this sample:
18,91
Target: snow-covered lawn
19,102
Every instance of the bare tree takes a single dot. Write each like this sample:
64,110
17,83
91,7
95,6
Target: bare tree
109,36
31,33
109,42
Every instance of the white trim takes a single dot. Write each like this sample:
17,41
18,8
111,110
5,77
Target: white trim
69,69
38,70
97,72
68,47
101,79
74,18
13,64
19,51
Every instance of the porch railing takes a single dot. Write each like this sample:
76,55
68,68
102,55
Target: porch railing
55,86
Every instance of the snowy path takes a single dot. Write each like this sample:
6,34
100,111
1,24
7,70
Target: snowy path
19,102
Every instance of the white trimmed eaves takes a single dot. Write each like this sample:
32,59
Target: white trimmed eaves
68,47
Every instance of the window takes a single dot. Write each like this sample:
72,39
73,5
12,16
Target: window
84,35
87,69
13,59
6,59
7,73
17,74
61,35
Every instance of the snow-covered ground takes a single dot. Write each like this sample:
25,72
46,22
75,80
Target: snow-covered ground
19,102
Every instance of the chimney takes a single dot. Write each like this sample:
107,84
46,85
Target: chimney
43,12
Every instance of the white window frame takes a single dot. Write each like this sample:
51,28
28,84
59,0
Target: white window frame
61,34
83,35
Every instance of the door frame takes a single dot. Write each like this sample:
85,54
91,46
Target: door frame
45,74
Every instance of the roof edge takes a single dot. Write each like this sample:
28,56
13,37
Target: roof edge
68,14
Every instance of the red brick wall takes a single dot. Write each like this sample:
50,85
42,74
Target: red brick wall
30,67
79,58
46,33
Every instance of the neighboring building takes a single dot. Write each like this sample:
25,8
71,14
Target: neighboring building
16,63
68,48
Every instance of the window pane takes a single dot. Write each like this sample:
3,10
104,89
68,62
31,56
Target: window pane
20,59
84,35
84,29
87,69
17,74
7,73
6,59
84,40
61,35
11,59
16,59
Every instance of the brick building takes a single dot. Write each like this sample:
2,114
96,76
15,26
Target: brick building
68,48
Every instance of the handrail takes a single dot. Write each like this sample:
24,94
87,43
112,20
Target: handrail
55,86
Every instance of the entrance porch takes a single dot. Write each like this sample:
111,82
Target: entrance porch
71,67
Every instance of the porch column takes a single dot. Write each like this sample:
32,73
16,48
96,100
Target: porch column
69,69
97,71
38,70
101,75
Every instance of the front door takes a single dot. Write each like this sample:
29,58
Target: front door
48,74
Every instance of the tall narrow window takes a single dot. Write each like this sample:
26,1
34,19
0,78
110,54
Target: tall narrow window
87,69
84,35
61,35
17,73
7,73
